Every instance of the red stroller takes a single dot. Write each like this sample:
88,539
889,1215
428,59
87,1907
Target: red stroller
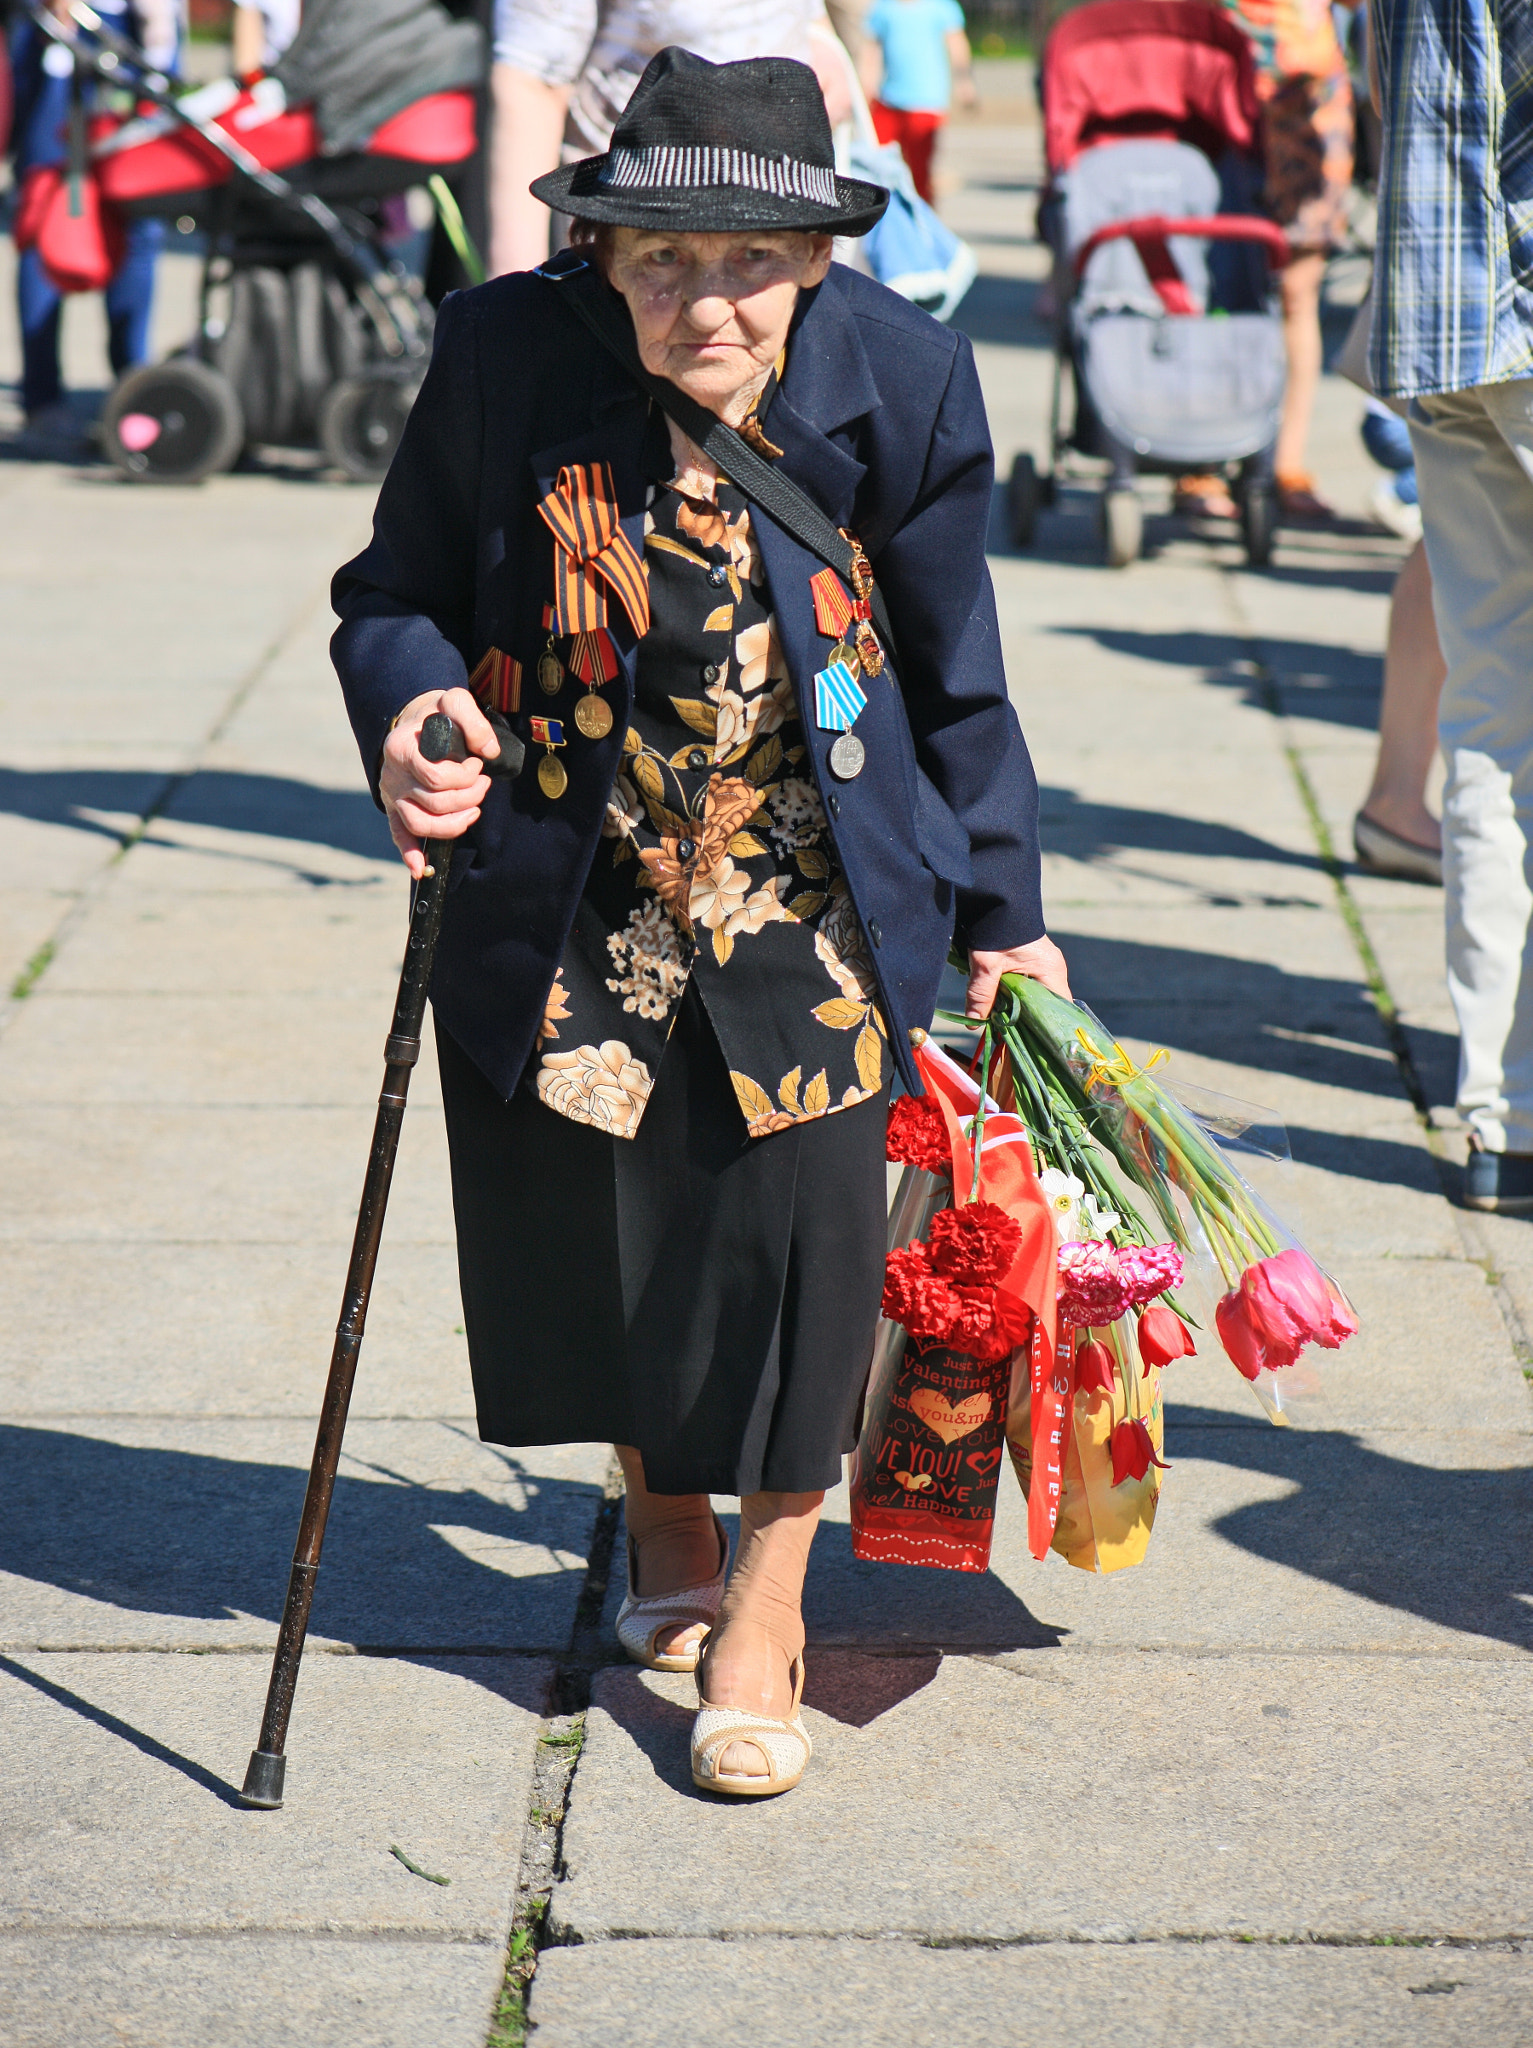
307,332
1165,319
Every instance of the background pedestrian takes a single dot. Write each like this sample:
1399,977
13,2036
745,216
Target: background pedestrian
1453,332
915,61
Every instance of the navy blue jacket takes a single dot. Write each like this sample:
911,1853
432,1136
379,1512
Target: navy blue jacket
880,419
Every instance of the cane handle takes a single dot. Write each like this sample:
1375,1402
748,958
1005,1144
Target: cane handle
441,740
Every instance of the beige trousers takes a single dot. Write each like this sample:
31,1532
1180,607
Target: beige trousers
1474,464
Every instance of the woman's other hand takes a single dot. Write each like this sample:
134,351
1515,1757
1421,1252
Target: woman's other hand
1040,961
434,799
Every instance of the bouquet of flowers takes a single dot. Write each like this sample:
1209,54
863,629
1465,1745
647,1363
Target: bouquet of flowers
1042,1245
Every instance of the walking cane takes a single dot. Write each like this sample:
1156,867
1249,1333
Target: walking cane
440,740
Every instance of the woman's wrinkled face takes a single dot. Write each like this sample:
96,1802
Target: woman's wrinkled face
711,312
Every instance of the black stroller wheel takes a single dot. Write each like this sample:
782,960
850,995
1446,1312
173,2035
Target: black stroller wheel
173,423
1023,496
361,419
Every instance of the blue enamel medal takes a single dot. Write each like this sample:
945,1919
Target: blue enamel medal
838,697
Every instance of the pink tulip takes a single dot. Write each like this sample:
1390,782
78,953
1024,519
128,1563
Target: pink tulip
1163,1336
1282,1304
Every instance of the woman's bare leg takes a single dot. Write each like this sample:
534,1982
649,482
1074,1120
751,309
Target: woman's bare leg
1300,288
1413,682
676,1542
760,1629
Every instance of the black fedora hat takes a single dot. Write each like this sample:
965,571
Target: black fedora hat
706,148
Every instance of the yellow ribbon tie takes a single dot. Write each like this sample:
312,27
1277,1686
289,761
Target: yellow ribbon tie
1116,1069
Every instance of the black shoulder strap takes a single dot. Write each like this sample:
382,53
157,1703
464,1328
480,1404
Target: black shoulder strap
589,299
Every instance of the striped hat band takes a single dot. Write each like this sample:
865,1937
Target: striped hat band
683,168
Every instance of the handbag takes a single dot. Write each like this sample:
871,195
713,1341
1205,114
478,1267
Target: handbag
79,240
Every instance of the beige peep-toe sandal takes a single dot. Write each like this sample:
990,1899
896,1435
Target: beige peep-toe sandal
639,1622
784,1744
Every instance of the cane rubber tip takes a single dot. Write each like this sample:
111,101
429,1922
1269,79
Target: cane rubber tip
263,1781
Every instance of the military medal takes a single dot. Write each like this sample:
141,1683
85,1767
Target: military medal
838,697
550,674
593,716
847,757
549,733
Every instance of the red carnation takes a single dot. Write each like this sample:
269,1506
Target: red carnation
1133,1452
973,1246
917,1136
1094,1369
1162,1337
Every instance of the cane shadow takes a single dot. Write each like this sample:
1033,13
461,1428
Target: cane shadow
266,806
1465,1563
439,1573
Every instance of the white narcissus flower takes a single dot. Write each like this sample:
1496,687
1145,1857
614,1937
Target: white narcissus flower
1098,1222
1064,1195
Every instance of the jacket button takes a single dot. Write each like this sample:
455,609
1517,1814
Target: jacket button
718,575
685,848
833,805
711,672
874,933
697,760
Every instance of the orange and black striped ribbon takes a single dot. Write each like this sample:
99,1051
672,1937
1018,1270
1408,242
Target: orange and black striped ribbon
497,681
592,550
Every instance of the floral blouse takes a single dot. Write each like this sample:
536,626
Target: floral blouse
716,864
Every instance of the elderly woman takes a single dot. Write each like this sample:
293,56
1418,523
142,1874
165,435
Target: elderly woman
686,948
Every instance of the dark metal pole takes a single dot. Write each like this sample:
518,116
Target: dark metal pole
440,741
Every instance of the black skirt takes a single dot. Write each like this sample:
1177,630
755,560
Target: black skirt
707,1297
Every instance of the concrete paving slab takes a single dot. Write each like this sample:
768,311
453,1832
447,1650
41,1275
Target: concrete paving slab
168,945
119,1775
213,1174
224,1329
1262,1536
898,1994
254,1991
297,1050
1068,1766
178,1535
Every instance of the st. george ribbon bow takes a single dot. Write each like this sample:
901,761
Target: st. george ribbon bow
592,550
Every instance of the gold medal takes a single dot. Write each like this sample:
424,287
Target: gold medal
843,651
550,674
593,716
552,779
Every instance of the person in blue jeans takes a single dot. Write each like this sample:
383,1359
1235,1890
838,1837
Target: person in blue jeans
43,73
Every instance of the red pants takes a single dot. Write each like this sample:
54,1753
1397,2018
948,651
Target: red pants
916,133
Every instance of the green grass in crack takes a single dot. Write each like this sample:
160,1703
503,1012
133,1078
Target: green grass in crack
508,2029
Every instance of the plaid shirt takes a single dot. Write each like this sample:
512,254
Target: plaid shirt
1453,281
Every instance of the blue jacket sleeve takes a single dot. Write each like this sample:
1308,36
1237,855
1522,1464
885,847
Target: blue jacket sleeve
406,603
935,582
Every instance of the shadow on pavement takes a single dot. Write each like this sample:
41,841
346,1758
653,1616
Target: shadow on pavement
1447,1545
1249,1012
157,1752
1327,681
1076,826
276,806
412,1569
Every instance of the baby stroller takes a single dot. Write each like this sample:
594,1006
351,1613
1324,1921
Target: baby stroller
308,333
1164,313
